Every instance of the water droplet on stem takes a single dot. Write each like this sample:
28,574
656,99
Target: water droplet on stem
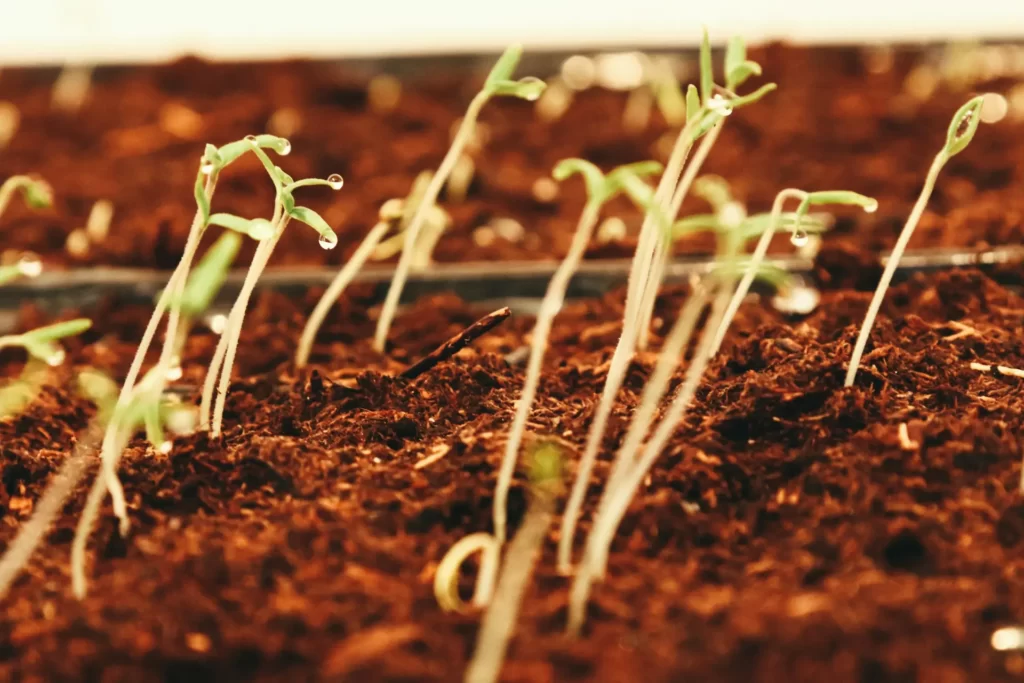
799,238
56,358
250,138
174,372
30,265
335,181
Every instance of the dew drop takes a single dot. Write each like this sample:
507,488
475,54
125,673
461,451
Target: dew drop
799,238
328,240
206,168
720,105
30,265
284,148
250,138
218,322
166,447
260,229
335,181
871,206
56,358
174,372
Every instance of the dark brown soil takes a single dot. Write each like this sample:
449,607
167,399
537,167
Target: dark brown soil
832,124
784,534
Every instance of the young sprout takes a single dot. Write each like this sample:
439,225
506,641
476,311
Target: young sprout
704,113
500,618
285,210
600,189
798,227
660,88
28,265
446,577
498,83
41,343
35,192
71,87
961,131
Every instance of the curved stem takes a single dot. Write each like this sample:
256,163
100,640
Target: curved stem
334,292
754,263
892,264
412,232
8,188
235,319
549,308
663,253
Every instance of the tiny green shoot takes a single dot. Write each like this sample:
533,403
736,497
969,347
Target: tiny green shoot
600,189
960,133
498,84
36,193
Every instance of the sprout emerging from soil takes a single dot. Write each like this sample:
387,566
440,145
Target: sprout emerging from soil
36,193
446,577
285,210
961,131
798,228
499,621
498,83
600,189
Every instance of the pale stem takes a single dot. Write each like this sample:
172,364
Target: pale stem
9,187
462,137
334,291
235,319
663,252
755,263
892,264
549,308
499,621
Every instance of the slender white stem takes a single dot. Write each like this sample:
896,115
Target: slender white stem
412,232
756,259
890,267
237,316
335,290
549,308
47,508
663,253
615,501
499,621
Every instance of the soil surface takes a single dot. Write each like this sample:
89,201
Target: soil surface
785,533
837,121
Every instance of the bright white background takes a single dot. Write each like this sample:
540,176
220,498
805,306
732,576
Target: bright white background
55,31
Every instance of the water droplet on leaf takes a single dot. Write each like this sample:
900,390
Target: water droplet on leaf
799,238
205,167
250,138
328,240
260,229
284,148
30,265
871,206
720,105
56,358
335,181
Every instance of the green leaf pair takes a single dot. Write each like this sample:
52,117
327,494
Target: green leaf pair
624,179
209,274
499,80
41,343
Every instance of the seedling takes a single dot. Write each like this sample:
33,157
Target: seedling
285,210
961,131
798,227
36,193
498,83
499,620
660,88
600,189
71,87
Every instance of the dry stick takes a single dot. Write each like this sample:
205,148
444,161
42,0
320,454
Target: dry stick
47,508
335,290
549,308
891,265
755,262
997,369
499,621
412,232
615,502
457,343
663,250
237,316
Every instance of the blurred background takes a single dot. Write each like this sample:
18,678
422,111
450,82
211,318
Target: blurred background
104,31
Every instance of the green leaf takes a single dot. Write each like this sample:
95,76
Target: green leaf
10,273
545,466
202,201
713,189
284,177
869,204
963,126
693,107
100,389
272,170
328,238
230,152
690,225
151,418
528,88
256,228
209,274
707,78
758,224
735,55
742,73
50,333
505,66
642,195
753,97
593,178
38,194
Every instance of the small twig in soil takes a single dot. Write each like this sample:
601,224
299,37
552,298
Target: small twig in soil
997,369
963,330
457,343
906,443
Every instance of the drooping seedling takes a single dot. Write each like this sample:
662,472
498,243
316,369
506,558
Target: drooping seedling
36,193
960,133
601,188
44,351
499,83
285,210
798,228
499,621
